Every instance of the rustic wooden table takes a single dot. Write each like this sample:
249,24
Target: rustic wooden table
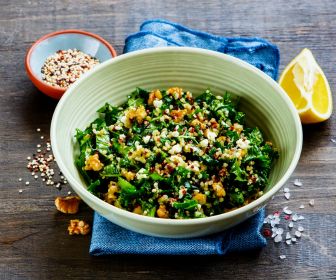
34,243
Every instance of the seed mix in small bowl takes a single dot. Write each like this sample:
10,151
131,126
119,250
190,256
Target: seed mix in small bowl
65,66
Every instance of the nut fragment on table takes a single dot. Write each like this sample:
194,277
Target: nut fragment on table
78,227
68,204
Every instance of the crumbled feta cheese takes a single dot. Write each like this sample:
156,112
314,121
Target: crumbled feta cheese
146,139
141,174
175,134
243,144
181,192
157,103
211,135
137,145
117,127
123,119
177,160
176,149
204,143
194,166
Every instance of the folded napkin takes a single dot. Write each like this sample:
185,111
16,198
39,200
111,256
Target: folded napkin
110,239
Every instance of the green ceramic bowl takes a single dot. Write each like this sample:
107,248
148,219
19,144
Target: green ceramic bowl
265,103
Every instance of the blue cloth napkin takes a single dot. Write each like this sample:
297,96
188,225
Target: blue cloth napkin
110,239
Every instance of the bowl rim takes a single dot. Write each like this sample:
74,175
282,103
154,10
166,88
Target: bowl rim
29,52
258,203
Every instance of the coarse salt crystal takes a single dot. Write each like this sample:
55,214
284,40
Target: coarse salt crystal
282,257
288,236
278,238
300,228
301,206
286,190
287,195
333,140
297,183
280,231
288,242
287,211
293,239
291,224
311,202
298,234
295,217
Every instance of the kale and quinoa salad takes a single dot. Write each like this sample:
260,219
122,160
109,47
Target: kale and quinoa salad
166,154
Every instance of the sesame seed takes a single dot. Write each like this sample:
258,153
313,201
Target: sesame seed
20,190
38,129
312,202
42,137
20,179
69,192
27,183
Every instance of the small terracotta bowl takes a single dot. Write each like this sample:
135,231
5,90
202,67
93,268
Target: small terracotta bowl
49,44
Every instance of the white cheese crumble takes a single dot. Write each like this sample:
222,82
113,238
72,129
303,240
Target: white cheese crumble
123,119
157,103
117,127
211,135
204,143
181,192
175,134
175,149
243,144
146,139
141,174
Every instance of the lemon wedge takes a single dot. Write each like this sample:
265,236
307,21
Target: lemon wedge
306,85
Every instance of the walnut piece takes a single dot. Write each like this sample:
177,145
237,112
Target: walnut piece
93,163
68,204
110,196
78,227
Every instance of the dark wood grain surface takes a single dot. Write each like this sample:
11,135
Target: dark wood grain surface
34,243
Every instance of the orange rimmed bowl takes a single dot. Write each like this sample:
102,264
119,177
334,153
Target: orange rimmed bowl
49,44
